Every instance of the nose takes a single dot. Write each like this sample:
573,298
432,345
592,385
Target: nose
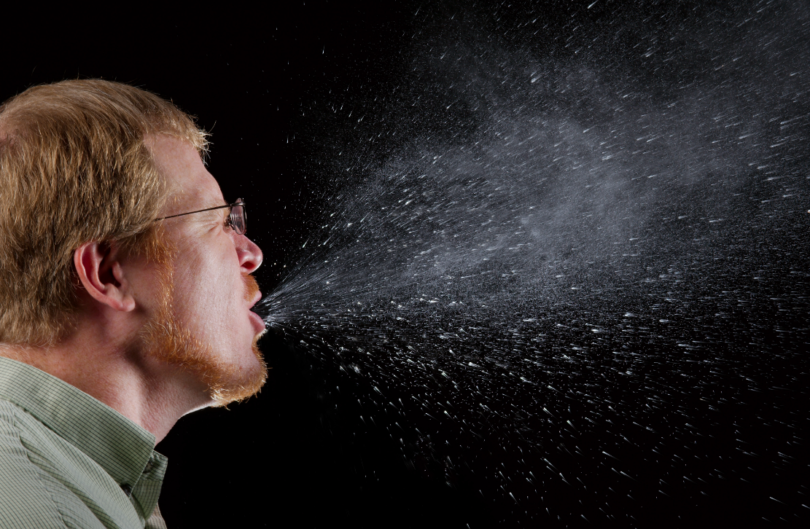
250,255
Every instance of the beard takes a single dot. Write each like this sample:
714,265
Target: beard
169,341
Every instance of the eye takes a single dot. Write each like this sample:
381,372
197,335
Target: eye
226,222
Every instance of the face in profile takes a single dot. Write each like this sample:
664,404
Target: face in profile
202,323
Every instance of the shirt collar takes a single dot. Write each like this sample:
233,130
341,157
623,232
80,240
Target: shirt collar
118,445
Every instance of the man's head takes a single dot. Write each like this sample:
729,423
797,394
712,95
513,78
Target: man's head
91,164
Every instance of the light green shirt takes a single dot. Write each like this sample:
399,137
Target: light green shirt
68,460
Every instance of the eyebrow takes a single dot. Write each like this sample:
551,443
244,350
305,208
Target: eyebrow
195,211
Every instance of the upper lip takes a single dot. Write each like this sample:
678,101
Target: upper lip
256,299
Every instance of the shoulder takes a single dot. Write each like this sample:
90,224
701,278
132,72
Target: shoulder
24,500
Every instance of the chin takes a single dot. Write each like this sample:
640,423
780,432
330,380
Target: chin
235,384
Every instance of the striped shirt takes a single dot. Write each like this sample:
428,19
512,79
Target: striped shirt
68,460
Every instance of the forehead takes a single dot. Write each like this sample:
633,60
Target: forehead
190,184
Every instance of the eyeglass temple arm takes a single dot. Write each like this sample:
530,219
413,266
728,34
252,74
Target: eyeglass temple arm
201,210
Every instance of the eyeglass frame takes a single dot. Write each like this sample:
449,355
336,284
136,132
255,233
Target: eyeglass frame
239,202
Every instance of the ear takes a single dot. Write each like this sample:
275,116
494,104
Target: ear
101,273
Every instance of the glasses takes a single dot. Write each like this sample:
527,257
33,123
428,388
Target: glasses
237,219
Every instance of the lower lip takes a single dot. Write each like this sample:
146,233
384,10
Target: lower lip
257,321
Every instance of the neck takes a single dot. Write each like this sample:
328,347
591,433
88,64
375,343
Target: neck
119,374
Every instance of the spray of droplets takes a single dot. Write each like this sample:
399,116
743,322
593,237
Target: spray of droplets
577,288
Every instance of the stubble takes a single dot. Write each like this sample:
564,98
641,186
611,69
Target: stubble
167,340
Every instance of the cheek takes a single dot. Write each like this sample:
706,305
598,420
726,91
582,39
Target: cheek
207,290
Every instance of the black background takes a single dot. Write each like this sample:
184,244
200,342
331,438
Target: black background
252,76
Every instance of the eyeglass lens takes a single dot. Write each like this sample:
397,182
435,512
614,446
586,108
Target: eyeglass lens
239,218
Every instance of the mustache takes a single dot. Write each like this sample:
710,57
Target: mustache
251,287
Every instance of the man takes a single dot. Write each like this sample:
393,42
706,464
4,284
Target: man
125,297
